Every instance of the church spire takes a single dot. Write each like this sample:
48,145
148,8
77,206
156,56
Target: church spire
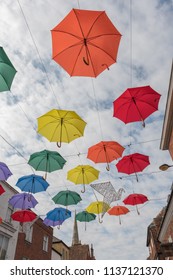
75,239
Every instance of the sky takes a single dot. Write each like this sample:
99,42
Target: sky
40,85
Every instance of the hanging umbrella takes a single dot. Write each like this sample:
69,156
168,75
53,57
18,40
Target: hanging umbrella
23,216
134,199
61,126
32,183
7,71
51,223
85,216
105,151
1,190
133,163
118,211
4,172
85,43
67,198
23,201
97,208
136,104
57,216
48,161
83,174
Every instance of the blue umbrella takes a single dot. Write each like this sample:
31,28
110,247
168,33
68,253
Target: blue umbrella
32,183
58,214
23,201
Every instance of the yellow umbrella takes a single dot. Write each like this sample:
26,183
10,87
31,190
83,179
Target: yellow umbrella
83,174
61,126
98,207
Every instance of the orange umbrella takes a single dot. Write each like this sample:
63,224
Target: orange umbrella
118,211
85,43
105,151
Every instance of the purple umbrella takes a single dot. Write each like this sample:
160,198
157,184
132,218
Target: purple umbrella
48,222
4,172
23,201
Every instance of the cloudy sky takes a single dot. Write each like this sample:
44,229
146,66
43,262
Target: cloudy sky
40,85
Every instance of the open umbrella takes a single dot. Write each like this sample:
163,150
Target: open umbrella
4,172
1,190
133,163
85,43
23,216
83,174
118,211
67,198
7,71
57,216
97,207
23,201
61,126
85,216
48,161
136,104
105,151
134,199
32,183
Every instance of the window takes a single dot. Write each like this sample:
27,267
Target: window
28,232
170,239
8,214
3,246
45,243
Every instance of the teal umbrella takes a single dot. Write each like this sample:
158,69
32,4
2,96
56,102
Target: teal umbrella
67,198
47,161
84,216
7,71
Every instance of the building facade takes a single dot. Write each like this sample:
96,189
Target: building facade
8,228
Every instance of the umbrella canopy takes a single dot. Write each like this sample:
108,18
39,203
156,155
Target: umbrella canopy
1,190
133,163
58,214
23,201
48,161
4,172
7,71
136,104
118,211
50,223
85,216
97,207
85,43
32,183
83,174
134,199
67,198
105,151
23,216
61,126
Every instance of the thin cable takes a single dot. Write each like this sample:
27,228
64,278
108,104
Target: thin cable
38,52
78,4
97,109
131,56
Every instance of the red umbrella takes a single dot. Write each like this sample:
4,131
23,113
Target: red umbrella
133,163
134,199
85,43
23,216
105,151
136,104
118,211
1,190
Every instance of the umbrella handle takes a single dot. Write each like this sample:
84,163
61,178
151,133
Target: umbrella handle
58,227
82,191
100,221
85,61
58,144
108,167
137,210
106,66
143,123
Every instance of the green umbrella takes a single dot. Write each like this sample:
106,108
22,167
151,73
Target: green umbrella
84,216
67,198
7,71
46,161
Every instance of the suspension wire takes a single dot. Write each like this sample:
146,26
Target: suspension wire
78,4
44,68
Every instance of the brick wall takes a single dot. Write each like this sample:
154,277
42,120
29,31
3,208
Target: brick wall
34,250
